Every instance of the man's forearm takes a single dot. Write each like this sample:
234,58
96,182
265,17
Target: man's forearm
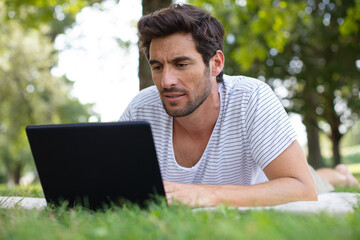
275,192
278,191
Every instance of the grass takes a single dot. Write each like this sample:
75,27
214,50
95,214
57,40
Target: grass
160,221
28,191
354,168
349,155
163,222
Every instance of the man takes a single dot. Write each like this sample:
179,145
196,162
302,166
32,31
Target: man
219,139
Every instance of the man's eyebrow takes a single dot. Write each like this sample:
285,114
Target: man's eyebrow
174,60
151,61
181,58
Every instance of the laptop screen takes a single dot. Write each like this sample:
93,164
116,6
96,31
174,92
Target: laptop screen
96,164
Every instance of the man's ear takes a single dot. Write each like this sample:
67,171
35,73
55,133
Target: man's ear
217,63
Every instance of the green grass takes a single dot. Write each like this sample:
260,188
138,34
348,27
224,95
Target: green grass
163,222
349,155
160,221
354,168
28,191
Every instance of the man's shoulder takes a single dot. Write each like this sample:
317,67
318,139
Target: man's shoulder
147,96
242,83
146,105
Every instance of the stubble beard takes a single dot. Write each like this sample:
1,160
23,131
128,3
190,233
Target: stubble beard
191,105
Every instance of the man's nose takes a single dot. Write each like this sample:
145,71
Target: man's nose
168,78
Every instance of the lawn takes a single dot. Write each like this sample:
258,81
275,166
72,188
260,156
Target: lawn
350,155
160,221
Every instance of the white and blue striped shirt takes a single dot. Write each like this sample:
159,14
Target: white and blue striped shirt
252,129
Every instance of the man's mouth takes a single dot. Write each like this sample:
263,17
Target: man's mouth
174,96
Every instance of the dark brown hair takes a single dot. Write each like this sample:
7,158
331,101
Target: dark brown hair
206,30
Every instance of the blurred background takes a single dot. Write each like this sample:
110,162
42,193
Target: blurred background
70,61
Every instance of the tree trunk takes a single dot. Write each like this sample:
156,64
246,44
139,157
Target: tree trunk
7,162
148,6
144,72
315,158
312,129
14,173
335,138
17,173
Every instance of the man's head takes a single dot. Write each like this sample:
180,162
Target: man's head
206,30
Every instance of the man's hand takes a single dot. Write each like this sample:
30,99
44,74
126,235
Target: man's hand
189,194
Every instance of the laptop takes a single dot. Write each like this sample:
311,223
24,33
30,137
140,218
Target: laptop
96,165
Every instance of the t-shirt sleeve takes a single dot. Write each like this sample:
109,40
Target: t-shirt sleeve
126,116
268,126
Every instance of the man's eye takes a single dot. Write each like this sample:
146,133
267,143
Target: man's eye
181,65
156,68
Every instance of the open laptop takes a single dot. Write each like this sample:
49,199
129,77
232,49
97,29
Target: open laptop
96,164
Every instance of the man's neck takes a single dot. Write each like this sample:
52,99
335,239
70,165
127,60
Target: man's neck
201,122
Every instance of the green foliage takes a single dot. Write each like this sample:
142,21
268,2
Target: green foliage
253,28
352,137
29,94
50,16
351,23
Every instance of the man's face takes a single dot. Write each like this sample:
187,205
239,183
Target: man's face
179,73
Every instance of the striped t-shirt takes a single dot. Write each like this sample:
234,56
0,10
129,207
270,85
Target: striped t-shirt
252,129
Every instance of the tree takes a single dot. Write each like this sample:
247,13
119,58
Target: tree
29,94
322,59
148,6
304,47
52,17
